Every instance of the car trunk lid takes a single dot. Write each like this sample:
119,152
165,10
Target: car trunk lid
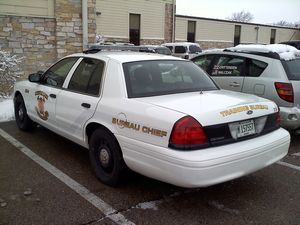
215,107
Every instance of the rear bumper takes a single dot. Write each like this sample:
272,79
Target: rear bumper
290,117
205,167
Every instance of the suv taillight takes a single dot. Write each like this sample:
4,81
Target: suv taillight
285,91
188,134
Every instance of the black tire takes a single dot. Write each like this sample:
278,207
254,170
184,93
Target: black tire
22,119
106,157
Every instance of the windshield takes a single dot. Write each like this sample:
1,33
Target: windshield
292,68
161,77
194,49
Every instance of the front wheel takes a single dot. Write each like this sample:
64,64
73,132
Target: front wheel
22,119
106,157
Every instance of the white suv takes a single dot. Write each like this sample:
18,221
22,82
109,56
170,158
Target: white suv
269,71
185,50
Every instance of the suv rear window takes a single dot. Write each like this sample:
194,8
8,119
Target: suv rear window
292,69
161,77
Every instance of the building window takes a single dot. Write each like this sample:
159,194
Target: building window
134,28
237,35
273,36
191,31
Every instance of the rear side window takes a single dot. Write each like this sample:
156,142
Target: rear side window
203,61
180,49
87,77
161,77
256,67
292,69
228,66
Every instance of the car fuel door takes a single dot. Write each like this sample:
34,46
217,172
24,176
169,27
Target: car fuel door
228,72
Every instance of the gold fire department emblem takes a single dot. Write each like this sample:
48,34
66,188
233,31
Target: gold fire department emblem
40,108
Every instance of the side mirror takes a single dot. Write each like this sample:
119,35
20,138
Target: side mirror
35,77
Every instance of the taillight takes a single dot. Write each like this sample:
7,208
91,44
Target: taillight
188,134
285,91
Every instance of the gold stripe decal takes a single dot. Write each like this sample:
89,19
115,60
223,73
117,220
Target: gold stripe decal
137,127
243,109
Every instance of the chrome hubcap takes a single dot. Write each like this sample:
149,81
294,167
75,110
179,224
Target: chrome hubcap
21,113
104,157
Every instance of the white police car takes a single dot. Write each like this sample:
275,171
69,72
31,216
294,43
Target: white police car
161,116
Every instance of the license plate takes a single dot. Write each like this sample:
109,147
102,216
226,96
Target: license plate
242,129
245,128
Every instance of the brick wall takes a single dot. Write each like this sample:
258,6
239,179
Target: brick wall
215,44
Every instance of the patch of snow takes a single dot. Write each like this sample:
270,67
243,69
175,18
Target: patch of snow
6,110
221,207
213,50
148,205
286,52
296,154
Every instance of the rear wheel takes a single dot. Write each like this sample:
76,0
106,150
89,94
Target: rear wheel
106,157
22,119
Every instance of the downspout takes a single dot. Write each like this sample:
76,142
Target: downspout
84,25
257,30
173,20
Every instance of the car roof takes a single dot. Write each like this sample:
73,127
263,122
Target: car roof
180,43
127,56
275,51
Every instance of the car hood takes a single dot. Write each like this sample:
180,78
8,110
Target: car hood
215,107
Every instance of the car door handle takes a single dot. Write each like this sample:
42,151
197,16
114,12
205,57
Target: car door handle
52,96
86,105
234,84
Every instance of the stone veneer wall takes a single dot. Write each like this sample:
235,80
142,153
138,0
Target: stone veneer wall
214,44
42,41
31,38
169,22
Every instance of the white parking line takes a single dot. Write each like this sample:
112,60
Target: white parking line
289,165
105,208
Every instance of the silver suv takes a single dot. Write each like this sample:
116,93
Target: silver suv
269,71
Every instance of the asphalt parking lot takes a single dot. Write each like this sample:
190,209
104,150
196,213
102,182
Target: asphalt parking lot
46,179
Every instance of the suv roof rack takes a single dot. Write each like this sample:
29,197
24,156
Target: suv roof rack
97,48
269,54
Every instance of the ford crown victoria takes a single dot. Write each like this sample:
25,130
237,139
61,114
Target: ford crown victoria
161,116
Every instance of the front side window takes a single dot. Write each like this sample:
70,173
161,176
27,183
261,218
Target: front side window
194,49
87,77
228,66
56,75
161,77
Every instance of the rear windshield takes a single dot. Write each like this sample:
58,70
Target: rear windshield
161,77
292,69
195,49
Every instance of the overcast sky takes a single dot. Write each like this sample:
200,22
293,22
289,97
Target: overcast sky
264,11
